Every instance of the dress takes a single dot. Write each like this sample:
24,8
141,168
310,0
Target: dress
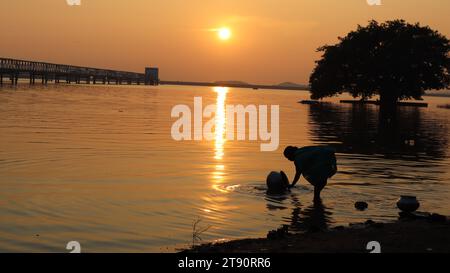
316,163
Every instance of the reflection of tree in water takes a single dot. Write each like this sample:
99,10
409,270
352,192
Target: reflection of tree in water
356,129
313,218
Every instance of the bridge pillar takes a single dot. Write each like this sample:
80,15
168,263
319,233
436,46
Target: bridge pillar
151,76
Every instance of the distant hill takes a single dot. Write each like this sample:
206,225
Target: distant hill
292,85
231,83
282,85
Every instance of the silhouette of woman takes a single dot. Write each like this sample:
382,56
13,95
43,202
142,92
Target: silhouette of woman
317,164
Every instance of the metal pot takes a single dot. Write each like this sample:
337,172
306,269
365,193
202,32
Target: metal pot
408,203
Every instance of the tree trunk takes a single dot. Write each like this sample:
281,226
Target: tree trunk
388,107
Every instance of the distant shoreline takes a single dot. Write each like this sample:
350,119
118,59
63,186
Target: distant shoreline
250,86
437,95
259,86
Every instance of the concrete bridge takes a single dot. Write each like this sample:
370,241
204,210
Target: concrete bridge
14,69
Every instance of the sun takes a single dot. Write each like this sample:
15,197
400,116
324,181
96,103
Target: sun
224,33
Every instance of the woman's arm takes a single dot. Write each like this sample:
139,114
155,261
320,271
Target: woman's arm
296,178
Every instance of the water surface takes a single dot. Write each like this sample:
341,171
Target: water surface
98,165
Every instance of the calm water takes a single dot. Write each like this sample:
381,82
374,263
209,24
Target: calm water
98,165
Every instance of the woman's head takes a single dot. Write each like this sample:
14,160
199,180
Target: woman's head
289,152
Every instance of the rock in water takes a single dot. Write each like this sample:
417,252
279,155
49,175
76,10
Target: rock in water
361,205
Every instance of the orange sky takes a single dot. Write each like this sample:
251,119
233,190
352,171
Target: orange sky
273,40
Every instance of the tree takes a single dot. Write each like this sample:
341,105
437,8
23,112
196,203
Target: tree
395,60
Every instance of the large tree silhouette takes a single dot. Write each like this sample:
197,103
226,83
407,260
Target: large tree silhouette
395,60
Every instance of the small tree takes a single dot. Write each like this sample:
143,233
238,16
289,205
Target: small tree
395,60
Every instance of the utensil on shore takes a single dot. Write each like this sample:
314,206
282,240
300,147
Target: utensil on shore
408,203
277,182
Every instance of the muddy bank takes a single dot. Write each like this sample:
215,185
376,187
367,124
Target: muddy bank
409,234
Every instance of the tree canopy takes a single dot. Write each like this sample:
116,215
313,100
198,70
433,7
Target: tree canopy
394,59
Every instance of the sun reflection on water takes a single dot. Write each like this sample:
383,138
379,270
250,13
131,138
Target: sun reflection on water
220,122
217,203
219,141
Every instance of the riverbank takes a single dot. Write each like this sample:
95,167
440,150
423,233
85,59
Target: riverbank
410,234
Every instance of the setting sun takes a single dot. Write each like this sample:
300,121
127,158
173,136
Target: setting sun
224,33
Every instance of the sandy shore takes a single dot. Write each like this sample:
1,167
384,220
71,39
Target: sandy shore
410,234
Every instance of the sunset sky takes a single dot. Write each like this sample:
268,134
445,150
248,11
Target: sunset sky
271,41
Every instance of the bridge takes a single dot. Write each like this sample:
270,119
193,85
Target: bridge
14,69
